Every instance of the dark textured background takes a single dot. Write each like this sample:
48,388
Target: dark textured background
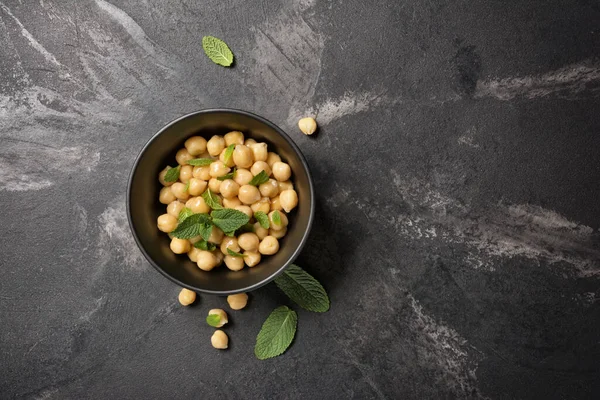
456,172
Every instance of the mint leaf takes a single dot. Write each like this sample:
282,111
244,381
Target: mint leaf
276,217
262,219
172,174
186,212
276,334
230,175
204,245
234,254
187,187
260,178
192,226
200,162
228,219
217,50
303,289
228,153
212,200
213,320
246,228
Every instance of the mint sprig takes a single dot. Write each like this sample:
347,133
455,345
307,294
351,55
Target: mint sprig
259,178
201,162
212,200
217,50
228,154
213,320
228,219
276,217
234,253
276,334
262,218
204,245
303,289
194,225
172,174
183,214
230,175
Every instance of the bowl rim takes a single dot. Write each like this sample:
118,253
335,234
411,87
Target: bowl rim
298,249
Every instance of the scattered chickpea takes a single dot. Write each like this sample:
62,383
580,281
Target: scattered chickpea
268,246
214,185
269,189
197,205
229,188
231,203
201,173
219,340
197,187
278,234
222,316
230,243
272,158
166,223
195,145
179,189
187,297
215,145
260,231
166,195
249,142
263,205
161,177
249,194
216,236
234,263
248,241
174,208
281,171
206,260
180,246
193,254
243,177
259,150
242,156
288,200
183,156
252,258
229,162
287,185
234,137
307,125
186,173
283,221
218,169
276,204
237,301
259,166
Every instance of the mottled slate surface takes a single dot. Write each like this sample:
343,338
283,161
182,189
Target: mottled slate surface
456,173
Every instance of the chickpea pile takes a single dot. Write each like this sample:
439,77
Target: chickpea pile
236,161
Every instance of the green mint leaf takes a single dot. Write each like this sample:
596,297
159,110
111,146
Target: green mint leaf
245,228
303,289
204,245
228,153
213,320
187,187
201,162
230,234
228,219
262,219
192,226
212,200
217,50
276,334
206,229
234,254
260,178
186,212
276,217
172,174
230,175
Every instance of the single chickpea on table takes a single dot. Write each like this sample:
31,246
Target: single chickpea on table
226,166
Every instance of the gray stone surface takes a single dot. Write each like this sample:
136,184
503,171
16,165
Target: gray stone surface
456,173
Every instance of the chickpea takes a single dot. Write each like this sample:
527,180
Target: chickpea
269,189
215,145
237,301
216,235
248,241
275,204
260,231
202,173
166,196
288,200
195,145
246,210
222,316
243,177
231,203
272,158
242,156
180,191
268,246
185,173
219,255
218,169
252,258
234,137
287,185
249,142
234,263
187,297
259,150
197,187
278,234
259,166
249,194
229,162
166,223
180,246
197,205
174,208
229,188
183,156
281,171
206,260
219,340
263,205
282,217
195,239
230,243
193,254
214,185
161,177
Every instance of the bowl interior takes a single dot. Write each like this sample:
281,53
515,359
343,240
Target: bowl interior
144,207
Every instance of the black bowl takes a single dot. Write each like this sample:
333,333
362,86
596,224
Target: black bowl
143,207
